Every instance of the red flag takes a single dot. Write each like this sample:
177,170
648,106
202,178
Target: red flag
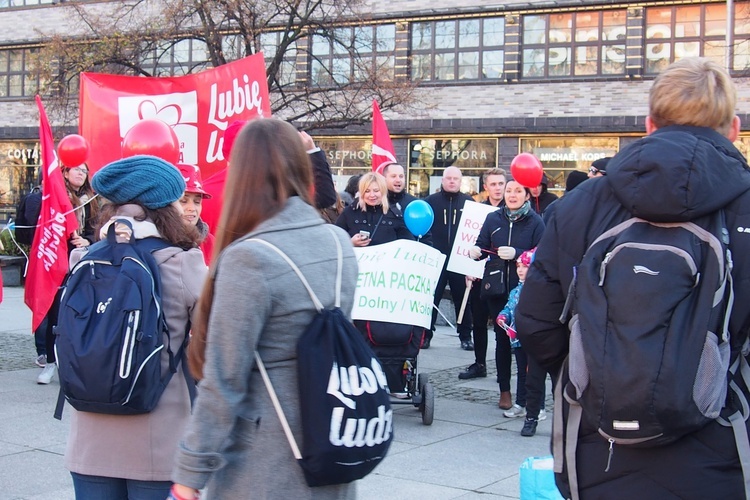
48,258
211,211
382,147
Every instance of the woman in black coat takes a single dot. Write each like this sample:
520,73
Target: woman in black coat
370,220
505,234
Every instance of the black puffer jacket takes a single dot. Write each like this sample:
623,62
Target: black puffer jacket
540,203
675,174
447,208
383,228
498,231
401,201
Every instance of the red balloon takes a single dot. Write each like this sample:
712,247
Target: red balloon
152,137
527,170
73,150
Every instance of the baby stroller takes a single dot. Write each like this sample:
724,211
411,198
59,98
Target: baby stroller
397,347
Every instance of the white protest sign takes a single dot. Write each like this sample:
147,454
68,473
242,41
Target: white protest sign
396,282
472,218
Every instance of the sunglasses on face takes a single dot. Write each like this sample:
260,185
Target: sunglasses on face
594,171
81,170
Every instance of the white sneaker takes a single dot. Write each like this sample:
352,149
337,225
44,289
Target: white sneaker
47,373
515,412
542,415
41,360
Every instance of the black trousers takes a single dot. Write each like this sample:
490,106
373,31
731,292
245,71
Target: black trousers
535,388
480,314
51,322
502,344
458,287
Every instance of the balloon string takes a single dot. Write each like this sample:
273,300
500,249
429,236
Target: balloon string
13,239
63,214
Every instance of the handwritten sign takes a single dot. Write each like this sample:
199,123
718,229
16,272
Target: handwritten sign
472,219
397,282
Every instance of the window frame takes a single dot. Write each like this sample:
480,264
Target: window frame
454,52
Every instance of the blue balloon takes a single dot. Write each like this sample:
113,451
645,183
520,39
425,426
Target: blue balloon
419,217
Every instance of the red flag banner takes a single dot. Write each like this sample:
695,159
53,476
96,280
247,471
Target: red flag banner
198,107
382,147
48,258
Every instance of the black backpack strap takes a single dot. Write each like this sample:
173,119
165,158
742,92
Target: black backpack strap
60,404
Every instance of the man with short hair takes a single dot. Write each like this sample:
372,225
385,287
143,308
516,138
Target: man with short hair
447,205
395,180
685,170
494,183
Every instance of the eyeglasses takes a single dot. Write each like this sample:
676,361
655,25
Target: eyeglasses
594,171
82,170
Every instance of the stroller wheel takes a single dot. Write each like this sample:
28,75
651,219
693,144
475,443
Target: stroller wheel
422,380
427,407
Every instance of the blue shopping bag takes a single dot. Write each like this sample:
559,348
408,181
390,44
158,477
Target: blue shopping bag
538,480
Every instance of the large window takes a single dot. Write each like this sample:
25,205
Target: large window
560,156
177,58
741,61
16,76
19,162
353,54
23,3
428,158
574,44
673,33
465,49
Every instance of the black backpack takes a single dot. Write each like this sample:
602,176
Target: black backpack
111,330
649,358
344,398
27,215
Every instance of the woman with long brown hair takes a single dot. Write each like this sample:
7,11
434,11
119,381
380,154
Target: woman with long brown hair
234,446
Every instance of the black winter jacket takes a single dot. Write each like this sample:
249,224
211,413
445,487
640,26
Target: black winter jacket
675,174
447,208
545,198
401,201
383,228
498,231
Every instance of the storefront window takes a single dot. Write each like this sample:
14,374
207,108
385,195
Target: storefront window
560,156
347,157
429,157
19,162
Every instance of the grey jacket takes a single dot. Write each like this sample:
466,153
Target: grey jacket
234,445
142,447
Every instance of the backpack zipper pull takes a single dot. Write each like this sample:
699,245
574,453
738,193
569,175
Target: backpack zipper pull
603,268
611,452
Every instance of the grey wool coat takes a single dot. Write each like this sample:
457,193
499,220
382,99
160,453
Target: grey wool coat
142,447
234,446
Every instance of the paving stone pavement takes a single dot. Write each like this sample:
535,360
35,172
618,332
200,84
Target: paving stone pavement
470,451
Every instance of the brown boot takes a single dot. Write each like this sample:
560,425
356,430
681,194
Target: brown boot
506,402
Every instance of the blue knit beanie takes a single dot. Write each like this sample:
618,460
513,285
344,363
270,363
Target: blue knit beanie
149,180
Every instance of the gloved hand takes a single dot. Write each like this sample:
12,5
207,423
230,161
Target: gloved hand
511,333
506,253
475,252
502,319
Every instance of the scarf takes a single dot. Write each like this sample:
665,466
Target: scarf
514,215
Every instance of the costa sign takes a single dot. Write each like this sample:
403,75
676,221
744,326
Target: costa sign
197,107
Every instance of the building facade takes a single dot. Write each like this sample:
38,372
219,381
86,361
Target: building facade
566,80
